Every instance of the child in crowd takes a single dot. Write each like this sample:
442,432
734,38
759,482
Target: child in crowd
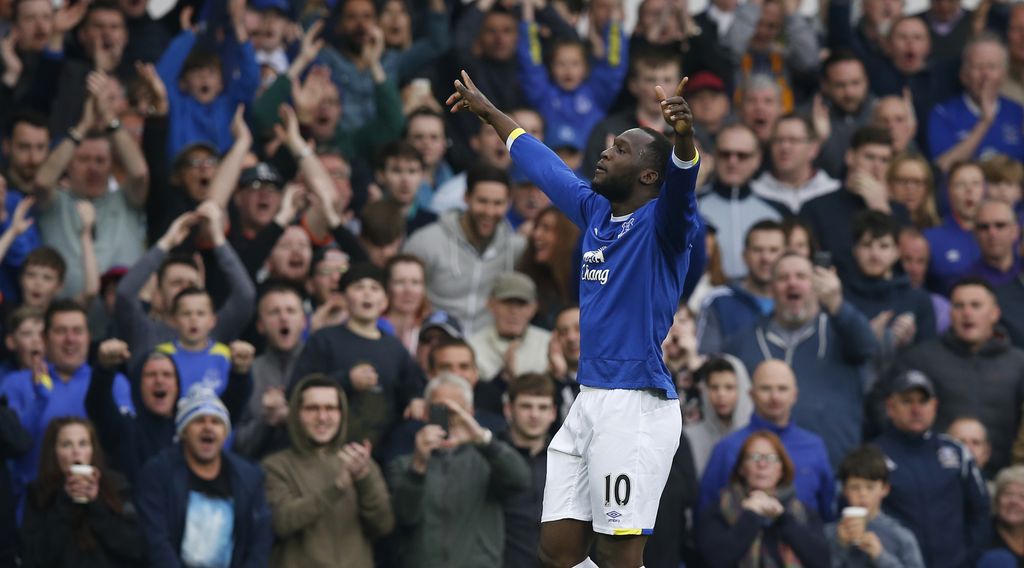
198,358
725,404
571,97
1004,178
203,92
23,339
869,537
42,277
400,174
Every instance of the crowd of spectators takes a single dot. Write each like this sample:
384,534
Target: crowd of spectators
265,302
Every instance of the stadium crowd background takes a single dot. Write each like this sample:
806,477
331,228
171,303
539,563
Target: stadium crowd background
265,302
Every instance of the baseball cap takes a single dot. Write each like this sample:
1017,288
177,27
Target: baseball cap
444,321
705,81
259,175
514,286
910,380
359,272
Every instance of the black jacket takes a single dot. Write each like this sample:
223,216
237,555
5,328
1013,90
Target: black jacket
15,441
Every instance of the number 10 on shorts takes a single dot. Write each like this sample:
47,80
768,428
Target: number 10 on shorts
620,488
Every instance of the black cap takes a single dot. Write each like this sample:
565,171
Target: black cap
359,272
910,380
261,173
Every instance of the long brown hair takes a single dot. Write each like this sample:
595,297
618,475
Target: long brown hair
50,480
389,271
925,216
556,274
788,471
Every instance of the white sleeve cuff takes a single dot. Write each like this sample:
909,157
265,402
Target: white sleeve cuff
685,165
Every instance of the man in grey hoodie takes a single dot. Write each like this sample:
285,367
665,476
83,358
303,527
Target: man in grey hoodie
465,250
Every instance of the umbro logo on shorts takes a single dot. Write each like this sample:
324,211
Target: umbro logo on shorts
613,514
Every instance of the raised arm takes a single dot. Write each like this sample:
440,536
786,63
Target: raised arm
678,221
49,173
126,151
225,179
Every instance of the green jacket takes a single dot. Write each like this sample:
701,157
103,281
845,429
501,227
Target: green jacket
360,143
452,516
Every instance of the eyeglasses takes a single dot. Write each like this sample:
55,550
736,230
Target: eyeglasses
998,225
727,155
331,271
770,459
317,409
200,162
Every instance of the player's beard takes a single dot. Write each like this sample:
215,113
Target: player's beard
611,189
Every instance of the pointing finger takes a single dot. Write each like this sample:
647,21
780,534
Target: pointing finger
467,80
682,86
659,93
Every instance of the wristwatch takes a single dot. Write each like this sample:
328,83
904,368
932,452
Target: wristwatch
113,126
488,437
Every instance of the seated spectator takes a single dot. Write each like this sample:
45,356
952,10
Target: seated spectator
199,504
998,234
483,243
760,105
328,498
754,39
464,455
732,308
1008,513
896,114
826,341
725,407
23,339
400,174
900,314
874,538
910,183
1004,181
408,306
975,370
757,518
914,256
774,392
262,428
174,273
848,105
134,438
550,250
730,204
792,179
78,511
87,156
981,122
204,88
936,489
378,375
574,93
531,413
831,216
57,386
510,346
42,277
953,246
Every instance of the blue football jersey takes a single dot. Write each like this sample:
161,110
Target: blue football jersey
632,271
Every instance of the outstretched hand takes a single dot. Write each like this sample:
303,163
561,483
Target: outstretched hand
468,97
675,110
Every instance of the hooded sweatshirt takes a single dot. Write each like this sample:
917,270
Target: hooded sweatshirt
788,199
316,523
459,277
703,435
131,440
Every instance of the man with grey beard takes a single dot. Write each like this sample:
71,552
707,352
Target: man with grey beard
824,339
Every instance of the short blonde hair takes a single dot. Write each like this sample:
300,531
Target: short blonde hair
1008,475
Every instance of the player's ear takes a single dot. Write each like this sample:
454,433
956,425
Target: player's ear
649,177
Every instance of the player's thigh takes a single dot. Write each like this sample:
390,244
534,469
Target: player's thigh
565,543
636,434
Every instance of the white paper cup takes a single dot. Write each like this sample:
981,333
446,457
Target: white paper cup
84,471
855,512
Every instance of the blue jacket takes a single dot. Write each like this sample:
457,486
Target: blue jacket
954,251
191,121
36,405
10,268
162,496
827,355
570,116
726,310
814,484
938,493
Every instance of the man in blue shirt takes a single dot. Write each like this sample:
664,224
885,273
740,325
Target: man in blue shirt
980,122
608,464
